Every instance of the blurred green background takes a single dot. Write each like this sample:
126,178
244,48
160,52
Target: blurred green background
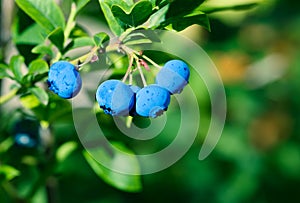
258,156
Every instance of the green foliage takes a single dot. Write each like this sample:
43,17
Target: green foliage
51,35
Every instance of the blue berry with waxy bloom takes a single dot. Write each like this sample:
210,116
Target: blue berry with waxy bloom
174,76
64,79
152,101
135,90
115,97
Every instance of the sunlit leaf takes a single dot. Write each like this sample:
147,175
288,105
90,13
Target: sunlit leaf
129,183
157,18
57,38
65,150
16,63
45,12
135,15
101,38
38,66
8,172
3,71
42,49
41,94
113,23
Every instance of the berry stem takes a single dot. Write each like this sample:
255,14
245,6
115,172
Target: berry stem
140,70
130,78
151,61
8,96
85,58
129,68
127,49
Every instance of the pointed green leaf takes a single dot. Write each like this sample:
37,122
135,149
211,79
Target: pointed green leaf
43,49
44,12
26,37
41,94
57,38
8,172
134,16
80,4
3,71
65,150
113,23
16,63
206,8
79,42
100,39
157,18
199,18
38,66
129,183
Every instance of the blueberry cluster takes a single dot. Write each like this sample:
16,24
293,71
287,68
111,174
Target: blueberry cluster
119,99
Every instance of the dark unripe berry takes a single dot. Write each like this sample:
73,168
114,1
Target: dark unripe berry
64,79
173,76
26,133
115,98
152,101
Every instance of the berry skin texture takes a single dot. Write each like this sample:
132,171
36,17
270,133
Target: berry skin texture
115,98
152,101
173,76
64,80
135,90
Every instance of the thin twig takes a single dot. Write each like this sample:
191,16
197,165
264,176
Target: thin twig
129,67
140,70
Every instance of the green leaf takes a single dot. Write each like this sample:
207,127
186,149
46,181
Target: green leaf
198,17
26,37
65,150
38,66
44,12
57,38
182,7
100,39
16,63
29,101
157,18
79,42
41,94
43,49
8,172
206,8
113,23
128,183
134,16
3,71
80,4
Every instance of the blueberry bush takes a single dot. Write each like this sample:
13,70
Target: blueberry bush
41,156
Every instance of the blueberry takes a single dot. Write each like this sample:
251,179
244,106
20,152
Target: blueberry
115,98
26,133
25,140
152,101
64,80
173,76
135,90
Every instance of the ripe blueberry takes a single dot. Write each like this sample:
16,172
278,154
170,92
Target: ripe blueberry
115,98
173,76
152,101
64,80
135,90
